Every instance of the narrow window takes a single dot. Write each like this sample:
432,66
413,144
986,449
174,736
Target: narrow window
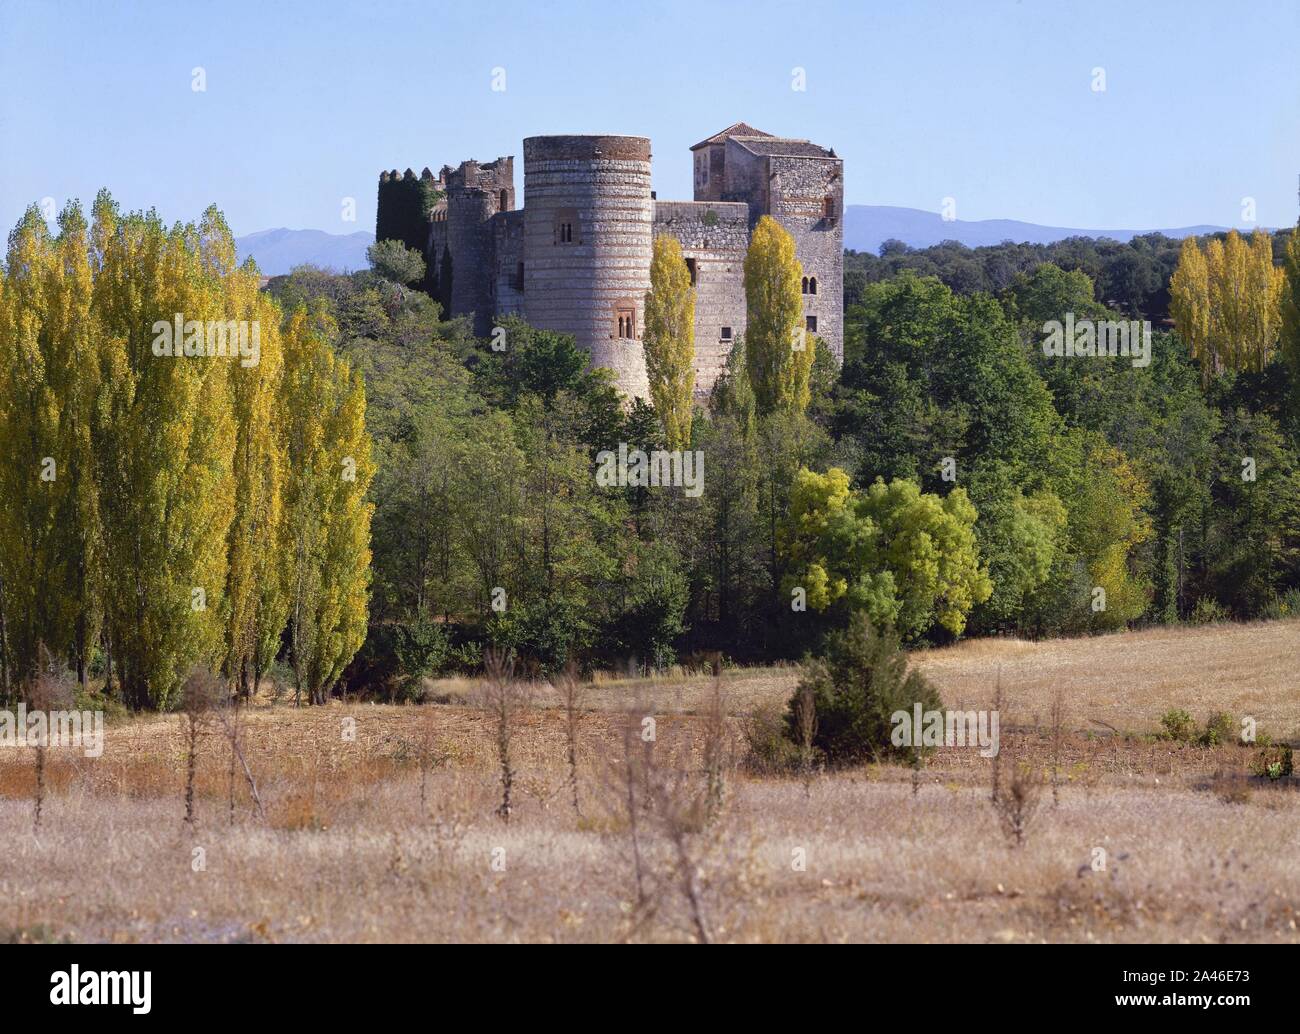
812,285
803,288
828,207
690,266
811,324
566,221
505,202
627,323
726,334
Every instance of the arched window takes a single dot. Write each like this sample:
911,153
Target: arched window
626,323
567,229
812,285
803,288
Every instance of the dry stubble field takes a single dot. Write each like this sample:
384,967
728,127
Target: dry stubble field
347,849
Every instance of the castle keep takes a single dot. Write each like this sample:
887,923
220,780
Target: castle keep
576,257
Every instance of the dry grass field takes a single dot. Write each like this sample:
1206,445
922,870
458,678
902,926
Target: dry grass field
378,823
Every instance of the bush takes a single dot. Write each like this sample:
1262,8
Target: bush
1208,611
1285,606
1274,762
857,686
1219,729
1178,725
770,751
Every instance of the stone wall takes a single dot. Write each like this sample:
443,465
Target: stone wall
746,180
508,255
799,189
715,236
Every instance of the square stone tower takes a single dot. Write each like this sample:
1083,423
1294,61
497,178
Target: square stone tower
800,185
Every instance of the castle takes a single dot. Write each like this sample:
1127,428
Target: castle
576,257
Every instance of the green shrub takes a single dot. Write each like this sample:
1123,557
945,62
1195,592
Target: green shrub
1219,729
1208,611
1286,605
112,707
1274,762
857,686
1178,725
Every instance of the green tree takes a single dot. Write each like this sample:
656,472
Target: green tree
857,686
906,559
393,261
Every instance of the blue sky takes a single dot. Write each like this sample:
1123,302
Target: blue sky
989,102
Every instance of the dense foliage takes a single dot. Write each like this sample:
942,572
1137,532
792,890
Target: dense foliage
182,476
955,477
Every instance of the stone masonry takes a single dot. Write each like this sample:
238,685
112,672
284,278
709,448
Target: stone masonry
576,258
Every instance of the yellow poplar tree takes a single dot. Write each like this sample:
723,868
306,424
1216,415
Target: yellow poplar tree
778,353
163,438
327,519
1291,309
1230,313
48,520
257,577
1189,302
669,340
34,482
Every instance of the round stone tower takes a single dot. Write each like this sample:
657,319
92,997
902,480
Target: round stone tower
588,219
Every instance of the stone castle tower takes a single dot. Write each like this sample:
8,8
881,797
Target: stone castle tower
576,257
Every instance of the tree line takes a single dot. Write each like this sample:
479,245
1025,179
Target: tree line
1131,276
952,478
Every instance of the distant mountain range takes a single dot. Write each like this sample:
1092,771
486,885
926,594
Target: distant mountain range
866,227
278,251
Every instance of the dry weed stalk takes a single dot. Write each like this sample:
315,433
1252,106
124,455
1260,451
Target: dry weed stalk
1058,713
715,749
200,694
630,773
425,751
228,718
665,810
997,758
50,690
805,714
505,698
1017,801
572,697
